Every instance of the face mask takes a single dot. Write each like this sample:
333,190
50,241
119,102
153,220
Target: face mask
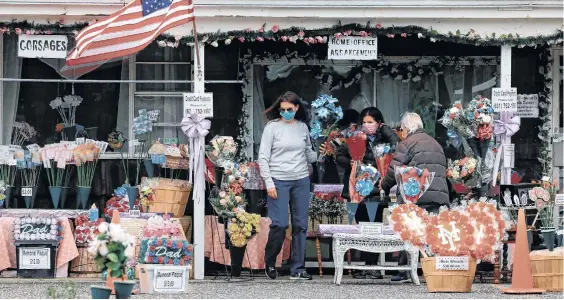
287,115
369,128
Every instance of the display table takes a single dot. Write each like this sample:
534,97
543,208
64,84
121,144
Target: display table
343,242
254,257
67,250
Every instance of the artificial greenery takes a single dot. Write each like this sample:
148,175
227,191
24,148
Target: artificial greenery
310,36
68,291
545,113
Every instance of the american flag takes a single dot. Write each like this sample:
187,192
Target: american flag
129,30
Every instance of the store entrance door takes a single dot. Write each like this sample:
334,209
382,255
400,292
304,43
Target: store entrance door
557,115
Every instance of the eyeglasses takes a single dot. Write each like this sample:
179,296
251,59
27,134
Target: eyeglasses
286,109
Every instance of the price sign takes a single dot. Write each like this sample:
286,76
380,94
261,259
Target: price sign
134,213
134,143
452,263
169,280
198,103
504,99
559,199
27,191
35,258
368,228
508,155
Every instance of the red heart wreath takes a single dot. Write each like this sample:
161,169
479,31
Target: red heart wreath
450,234
409,222
489,229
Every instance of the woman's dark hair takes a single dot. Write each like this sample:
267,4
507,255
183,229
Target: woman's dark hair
273,113
375,113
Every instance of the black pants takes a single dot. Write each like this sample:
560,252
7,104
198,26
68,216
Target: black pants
370,259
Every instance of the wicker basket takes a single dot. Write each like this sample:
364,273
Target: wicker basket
84,265
547,272
440,281
172,200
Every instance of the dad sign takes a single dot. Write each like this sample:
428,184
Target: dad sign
42,46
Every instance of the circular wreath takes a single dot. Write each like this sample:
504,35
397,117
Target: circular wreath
459,225
489,229
409,222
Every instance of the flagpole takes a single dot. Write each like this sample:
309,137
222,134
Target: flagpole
197,47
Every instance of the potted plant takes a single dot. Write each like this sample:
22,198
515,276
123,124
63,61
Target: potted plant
241,228
112,248
544,198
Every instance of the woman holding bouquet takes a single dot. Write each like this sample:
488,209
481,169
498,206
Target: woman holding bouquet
372,125
284,157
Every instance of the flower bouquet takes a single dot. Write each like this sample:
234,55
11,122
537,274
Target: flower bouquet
459,128
162,227
8,172
57,163
29,163
222,149
241,228
147,194
22,132
384,154
235,177
112,248
86,231
413,182
326,114
86,158
2,191
480,114
367,177
119,201
464,171
67,106
545,201
356,143
226,203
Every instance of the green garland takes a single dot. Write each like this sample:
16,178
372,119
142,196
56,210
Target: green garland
313,36
545,113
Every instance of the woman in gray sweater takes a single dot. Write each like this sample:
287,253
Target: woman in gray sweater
284,157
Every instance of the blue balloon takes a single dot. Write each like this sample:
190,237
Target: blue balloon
411,188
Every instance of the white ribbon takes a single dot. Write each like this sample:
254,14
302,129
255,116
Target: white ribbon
196,128
504,128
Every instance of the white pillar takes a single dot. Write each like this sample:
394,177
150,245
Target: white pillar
505,83
198,221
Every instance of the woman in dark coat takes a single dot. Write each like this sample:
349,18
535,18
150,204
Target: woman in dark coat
377,133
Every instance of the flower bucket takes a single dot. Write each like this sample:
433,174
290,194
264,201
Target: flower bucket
149,167
549,235
132,193
70,133
237,254
100,292
55,192
64,196
351,209
8,193
30,200
441,281
371,207
82,195
123,289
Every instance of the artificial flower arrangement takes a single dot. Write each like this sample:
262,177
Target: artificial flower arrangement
112,248
384,154
86,156
162,227
464,171
147,194
57,161
38,229
544,198
67,106
326,114
86,230
475,229
242,227
356,143
454,119
22,132
168,252
327,202
221,149
2,191
235,176
480,113
366,178
226,203
413,182
29,163
119,201
8,167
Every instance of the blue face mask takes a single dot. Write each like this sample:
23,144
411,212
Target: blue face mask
287,115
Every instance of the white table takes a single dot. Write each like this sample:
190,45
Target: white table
343,242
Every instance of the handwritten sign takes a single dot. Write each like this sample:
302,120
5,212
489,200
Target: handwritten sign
352,48
504,99
134,213
42,46
527,106
508,155
451,263
31,229
559,200
169,280
368,228
27,192
35,258
170,141
168,252
198,103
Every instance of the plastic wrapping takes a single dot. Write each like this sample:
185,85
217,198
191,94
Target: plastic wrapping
413,182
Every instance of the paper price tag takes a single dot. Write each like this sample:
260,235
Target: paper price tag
509,155
133,143
27,192
368,228
35,258
452,263
559,199
134,213
172,280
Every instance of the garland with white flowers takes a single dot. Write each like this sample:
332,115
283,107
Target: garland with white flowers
545,113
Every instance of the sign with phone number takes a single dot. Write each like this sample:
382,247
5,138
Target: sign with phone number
35,258
504,99
170,280
198,103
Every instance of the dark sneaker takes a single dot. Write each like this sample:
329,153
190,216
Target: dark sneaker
376,274
359,274
400,278
300,276
271,272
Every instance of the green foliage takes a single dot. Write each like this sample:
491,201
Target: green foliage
67,291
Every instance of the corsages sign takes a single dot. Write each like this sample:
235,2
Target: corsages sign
475,229
32,228
168,252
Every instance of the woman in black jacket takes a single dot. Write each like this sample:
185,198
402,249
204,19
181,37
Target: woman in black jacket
376,133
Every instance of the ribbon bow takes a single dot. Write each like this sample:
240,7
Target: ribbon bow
504,128
195,126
